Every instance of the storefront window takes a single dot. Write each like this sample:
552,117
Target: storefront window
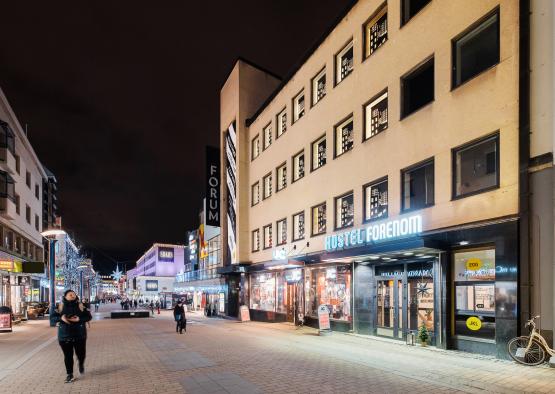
330,286
474,282
263,292
281,292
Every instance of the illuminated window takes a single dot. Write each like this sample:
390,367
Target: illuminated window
255,192
344,63
319,219
344,211
256,240
375,32
298,106
298,226
255,147
319,153
267,133
267,186
319,86
298,166
376,200
281,173
376,116
268,236
281,228
282,122
344,137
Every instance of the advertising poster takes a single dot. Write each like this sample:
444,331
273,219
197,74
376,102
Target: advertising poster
151,285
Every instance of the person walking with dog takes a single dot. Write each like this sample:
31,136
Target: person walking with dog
72,317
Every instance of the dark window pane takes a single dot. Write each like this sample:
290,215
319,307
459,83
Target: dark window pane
418,88
411,8
418,187
476,167
477,50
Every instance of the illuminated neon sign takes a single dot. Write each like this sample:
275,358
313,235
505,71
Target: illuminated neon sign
379,231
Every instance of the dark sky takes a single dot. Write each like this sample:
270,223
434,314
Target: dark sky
120,98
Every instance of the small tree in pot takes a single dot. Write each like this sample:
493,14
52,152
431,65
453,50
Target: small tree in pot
423,335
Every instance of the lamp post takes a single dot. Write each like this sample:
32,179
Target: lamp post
50,235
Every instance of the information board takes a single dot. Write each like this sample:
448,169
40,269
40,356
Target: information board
323,318
245,313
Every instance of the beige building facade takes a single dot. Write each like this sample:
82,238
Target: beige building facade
382,178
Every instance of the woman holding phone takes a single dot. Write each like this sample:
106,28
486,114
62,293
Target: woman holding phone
72,317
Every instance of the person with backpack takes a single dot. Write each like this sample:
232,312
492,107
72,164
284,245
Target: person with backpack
72,317
179,316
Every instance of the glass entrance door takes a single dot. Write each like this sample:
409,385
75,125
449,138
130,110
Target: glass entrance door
290,311
390,307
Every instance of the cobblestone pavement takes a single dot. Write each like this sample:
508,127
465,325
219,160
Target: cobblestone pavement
224,356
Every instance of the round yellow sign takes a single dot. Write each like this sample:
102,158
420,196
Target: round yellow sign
473,264
473,323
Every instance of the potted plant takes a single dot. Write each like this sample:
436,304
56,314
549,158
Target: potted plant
423,335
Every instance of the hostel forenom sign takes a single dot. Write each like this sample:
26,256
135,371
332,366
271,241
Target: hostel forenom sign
376,232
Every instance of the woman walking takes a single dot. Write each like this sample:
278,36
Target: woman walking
179,316
72,317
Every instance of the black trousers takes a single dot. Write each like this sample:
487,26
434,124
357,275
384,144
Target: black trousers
80,347
181,325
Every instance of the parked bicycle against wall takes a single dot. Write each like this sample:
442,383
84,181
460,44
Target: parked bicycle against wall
532,349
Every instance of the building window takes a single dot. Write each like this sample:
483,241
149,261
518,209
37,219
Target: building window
281,174
476,167
410,8
282,122
17,204
37,191
298,226
418,186
417,88
344,211
267,236
319,219
319,153
7,137
375,31
281,228
344,137
267,133
344,63
298,166
267,180
255,147
475,292
17,164
319,86
28,213
375,200
37,223
298,106
7,187
375,116
255,193
28,179
476,50
256,240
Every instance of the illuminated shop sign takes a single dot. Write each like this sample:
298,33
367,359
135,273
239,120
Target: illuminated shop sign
379,231
151,285
165,254
279,254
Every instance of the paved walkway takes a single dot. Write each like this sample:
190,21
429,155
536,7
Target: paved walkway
223,356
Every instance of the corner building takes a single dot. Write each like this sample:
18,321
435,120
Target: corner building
381,177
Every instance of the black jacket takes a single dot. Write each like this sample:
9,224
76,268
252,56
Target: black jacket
179,310
73,331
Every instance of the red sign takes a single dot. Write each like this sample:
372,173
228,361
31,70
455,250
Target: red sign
5,320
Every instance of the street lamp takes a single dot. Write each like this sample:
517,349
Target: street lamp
50,236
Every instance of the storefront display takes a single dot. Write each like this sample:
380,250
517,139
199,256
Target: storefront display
474,282
330,286
263,292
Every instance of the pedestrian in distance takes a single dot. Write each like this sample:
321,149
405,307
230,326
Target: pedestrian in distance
158,306
135,303
151,306
72,317
179,317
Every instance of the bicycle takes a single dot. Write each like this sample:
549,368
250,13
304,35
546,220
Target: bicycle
532,349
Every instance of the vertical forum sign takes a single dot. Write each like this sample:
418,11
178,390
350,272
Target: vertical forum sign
212,186
231,181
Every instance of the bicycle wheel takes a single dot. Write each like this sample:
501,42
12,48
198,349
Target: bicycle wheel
534,356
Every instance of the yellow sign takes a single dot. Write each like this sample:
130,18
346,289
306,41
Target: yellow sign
473,323
6,265
473,264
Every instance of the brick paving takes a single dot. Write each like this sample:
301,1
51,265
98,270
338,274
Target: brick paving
223,356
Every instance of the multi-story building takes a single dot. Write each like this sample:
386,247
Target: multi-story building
386,176
21,175
50,200
154,274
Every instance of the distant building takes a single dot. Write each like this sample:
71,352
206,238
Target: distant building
50,204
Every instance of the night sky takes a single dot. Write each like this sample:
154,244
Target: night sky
120,98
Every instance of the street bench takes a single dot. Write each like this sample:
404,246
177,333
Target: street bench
128,314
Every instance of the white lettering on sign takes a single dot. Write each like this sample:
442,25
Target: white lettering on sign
390,229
